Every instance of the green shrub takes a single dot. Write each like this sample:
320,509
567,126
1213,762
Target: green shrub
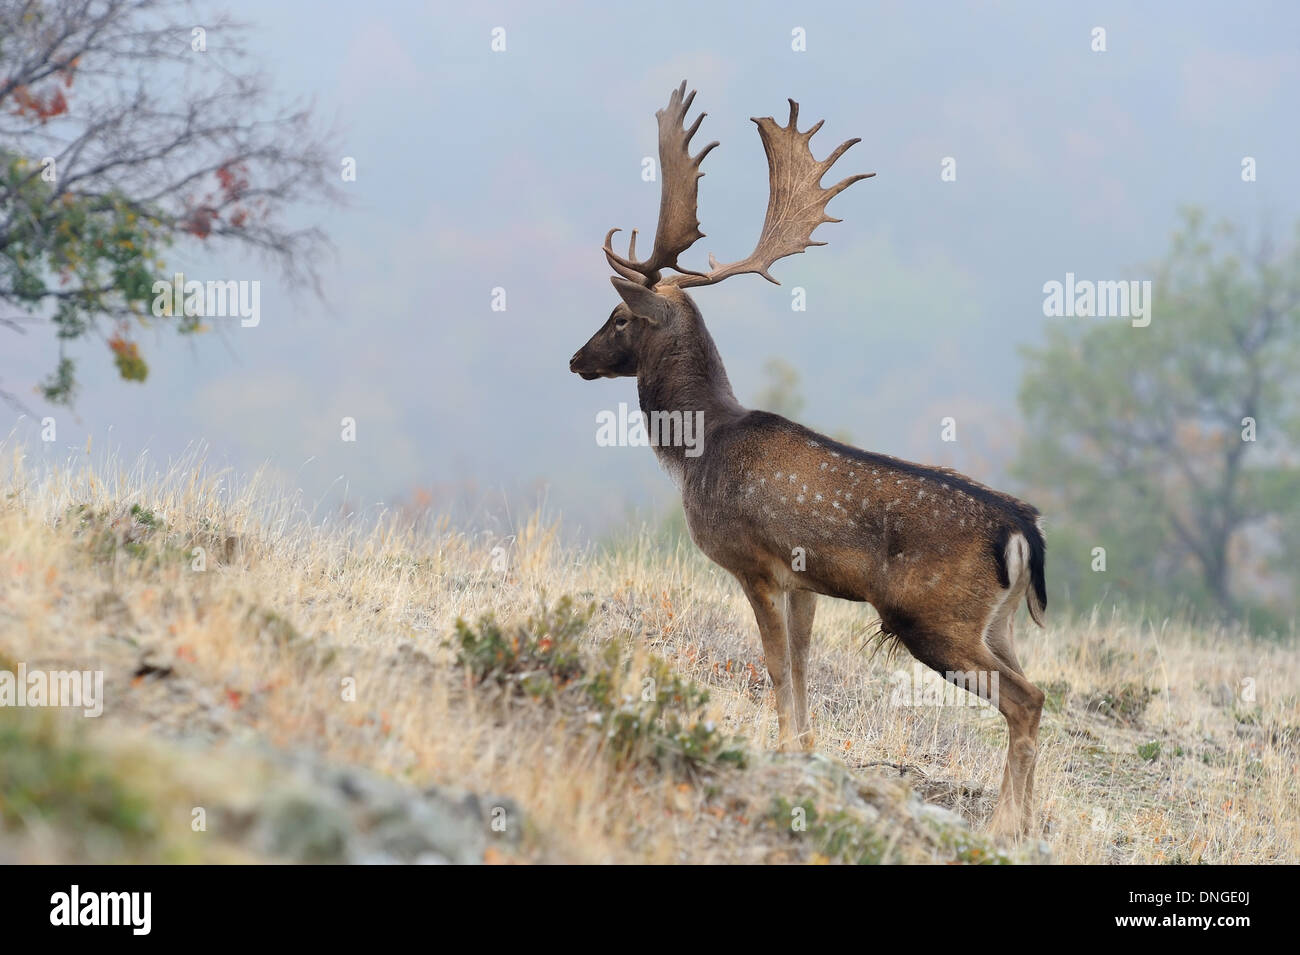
659,721
840,837
137,532
663,723
539,657
45,776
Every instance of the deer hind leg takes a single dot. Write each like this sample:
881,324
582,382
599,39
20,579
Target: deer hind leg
800,605
1018,700
1022,704
768,602
1000,638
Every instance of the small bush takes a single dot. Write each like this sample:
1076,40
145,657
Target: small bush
136,532
1149,751
145,517
64,783
644,711
538,657
661,721
839,837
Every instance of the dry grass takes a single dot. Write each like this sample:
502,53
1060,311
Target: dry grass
253,649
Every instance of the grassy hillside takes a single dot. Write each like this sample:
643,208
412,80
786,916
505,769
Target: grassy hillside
303,689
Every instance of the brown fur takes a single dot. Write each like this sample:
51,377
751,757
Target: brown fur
793,515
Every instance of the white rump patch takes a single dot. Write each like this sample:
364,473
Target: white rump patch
1016,557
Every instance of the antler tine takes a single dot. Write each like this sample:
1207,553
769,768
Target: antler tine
620,264
796,203
678,227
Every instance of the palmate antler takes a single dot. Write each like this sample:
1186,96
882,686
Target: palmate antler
796,202
679,193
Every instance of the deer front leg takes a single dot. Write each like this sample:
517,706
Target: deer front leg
800,605
768,602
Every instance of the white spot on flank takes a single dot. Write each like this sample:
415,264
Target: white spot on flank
825,465
817,497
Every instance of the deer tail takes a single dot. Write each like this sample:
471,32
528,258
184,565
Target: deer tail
1036,592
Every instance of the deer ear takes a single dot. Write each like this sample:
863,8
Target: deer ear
644,302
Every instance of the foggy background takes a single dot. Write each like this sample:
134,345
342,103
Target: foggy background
481,169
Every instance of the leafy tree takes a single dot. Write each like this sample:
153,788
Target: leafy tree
1174,446
121,134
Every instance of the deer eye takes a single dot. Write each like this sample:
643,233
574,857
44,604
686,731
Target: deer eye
620,323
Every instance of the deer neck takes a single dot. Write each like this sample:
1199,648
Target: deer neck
683,387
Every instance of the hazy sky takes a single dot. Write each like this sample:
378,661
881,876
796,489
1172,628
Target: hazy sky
481,169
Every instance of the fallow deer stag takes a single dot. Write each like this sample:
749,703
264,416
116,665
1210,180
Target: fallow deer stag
943,559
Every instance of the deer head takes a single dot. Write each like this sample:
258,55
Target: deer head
655,308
